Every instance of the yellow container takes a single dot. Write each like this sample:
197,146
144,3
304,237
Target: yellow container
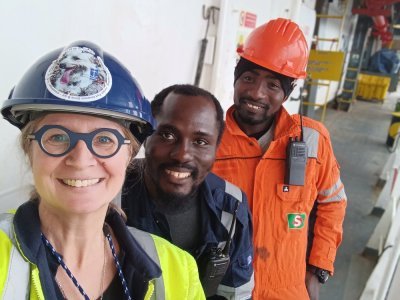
393,129
372,87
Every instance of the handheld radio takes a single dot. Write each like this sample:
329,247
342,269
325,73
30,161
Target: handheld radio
296,158
214,265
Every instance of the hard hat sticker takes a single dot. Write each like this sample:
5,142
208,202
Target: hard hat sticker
79,75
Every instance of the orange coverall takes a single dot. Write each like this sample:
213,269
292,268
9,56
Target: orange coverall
281,212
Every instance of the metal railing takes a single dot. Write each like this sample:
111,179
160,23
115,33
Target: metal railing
385,239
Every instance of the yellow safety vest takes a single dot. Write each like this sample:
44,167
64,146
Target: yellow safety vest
19,278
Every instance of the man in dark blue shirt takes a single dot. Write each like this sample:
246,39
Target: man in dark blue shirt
172,193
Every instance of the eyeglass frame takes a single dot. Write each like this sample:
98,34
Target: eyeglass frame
75,137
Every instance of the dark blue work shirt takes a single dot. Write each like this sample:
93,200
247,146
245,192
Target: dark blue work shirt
142,214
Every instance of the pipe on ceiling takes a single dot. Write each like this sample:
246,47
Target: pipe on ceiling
375,9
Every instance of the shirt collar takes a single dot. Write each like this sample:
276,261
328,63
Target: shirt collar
284,124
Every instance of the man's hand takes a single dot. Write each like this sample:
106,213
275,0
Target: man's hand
312,285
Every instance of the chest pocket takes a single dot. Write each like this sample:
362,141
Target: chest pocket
291,210
291,194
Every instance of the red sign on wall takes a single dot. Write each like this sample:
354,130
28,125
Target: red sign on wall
248,19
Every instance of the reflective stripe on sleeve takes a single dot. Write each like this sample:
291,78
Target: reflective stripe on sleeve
227,217
335,193
341,196
336,186
242,292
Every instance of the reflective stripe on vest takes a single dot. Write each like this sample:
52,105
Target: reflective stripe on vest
147,243
15,283
227,217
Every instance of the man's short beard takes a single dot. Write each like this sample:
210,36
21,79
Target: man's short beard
248,120
171,203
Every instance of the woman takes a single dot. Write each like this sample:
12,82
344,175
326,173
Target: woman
83,118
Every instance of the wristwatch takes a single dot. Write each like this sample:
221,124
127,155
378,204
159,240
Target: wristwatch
321,274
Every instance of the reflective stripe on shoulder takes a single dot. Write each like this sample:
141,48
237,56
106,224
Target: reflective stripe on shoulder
311,137
147,243
15,285
233,190
227,217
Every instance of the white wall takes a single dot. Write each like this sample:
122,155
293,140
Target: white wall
221,81
158,40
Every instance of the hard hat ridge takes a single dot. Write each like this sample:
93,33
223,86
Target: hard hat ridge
278,45
80,78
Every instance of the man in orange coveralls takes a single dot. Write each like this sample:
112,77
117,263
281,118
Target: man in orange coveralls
295,245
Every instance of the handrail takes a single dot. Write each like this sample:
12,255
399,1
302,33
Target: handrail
388,230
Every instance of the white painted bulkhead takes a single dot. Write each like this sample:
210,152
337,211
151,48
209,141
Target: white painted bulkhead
157,40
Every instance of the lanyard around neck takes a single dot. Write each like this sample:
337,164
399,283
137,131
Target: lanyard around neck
73,278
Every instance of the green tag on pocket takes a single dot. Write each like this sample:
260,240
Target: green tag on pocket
296,220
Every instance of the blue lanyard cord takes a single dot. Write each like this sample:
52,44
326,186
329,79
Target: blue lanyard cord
119,269
62,263
70,275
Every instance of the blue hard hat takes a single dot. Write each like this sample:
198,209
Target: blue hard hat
80,78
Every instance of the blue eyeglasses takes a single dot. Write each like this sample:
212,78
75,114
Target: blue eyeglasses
56,140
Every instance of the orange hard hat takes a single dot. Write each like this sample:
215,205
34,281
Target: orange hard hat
279,46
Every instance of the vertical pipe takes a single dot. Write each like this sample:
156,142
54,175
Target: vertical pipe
221,43
342,24
295,11
325,103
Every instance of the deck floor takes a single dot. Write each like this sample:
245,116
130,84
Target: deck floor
359,142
